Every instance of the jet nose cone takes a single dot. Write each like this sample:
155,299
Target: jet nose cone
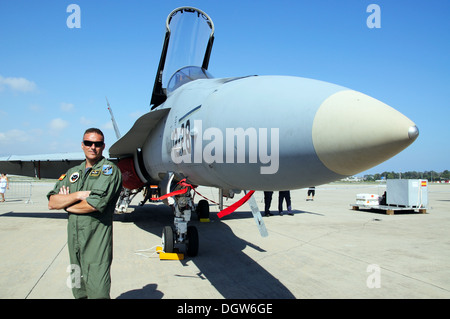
353,132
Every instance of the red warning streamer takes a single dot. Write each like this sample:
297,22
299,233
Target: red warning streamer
236,205
178,192
224,212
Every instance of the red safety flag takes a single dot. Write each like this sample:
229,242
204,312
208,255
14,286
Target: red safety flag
178,192
236,205
226,211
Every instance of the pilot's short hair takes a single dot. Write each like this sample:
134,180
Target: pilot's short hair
94,130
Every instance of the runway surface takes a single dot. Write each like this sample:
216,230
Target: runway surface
326,250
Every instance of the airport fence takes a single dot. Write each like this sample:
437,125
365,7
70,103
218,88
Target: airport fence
19,191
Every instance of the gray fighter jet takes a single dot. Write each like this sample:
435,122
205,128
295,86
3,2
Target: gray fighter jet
241,133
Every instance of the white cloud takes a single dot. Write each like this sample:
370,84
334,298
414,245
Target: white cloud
35,108
107,126
14,136
85,121
66,107
17,84
58,124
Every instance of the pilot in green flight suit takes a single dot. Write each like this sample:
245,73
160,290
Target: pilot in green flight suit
89,193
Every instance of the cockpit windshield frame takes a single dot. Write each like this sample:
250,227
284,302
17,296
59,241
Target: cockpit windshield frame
185,75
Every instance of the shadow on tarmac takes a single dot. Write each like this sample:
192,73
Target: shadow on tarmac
56,215
147,292
221,259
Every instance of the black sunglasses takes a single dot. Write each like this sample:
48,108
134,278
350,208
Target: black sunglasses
97,144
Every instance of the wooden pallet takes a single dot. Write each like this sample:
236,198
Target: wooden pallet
389,210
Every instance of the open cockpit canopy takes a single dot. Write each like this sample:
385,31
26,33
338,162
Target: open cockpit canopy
186,50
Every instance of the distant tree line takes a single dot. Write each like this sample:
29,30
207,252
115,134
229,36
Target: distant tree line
429,175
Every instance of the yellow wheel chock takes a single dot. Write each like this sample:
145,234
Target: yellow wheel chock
176,255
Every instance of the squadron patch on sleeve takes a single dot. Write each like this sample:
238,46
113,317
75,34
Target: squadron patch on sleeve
74,177
107,170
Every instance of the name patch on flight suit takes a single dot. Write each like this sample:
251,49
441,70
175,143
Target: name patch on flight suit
95,173
107,170
74,177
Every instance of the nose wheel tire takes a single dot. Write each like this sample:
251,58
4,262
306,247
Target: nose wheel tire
168,239
202,209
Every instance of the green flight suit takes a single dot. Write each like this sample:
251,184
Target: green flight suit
90,235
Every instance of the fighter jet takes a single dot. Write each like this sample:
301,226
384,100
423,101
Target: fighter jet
242,133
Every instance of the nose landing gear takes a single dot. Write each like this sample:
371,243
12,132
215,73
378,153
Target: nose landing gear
181,233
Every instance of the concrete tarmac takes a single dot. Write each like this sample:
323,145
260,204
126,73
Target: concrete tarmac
326,250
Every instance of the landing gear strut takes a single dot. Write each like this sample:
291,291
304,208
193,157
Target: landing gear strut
125,198
181,233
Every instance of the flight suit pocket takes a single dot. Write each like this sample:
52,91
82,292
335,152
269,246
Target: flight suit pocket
97,198
97,193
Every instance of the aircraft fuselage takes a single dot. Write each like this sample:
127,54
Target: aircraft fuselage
271,133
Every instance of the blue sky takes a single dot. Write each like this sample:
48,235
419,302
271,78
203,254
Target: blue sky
54,79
